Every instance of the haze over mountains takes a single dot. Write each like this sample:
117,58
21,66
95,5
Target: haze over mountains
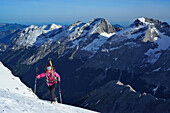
90,55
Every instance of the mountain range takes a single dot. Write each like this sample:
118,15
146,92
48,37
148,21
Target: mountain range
90,55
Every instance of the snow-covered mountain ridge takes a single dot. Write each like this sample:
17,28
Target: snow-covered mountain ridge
79,36
143,30
34,35
28,36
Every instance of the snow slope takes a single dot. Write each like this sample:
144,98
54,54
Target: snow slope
14,103
13,84
15,97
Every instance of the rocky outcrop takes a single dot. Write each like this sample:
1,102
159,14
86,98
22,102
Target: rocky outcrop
114,97
2,47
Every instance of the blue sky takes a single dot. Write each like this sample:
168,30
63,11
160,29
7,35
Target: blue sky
69,11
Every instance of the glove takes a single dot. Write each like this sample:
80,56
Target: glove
36,74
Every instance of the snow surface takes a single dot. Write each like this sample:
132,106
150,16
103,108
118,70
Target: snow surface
107,34
156,69
168,69
155,89
13,84
127,33
143,20
15,97
52,27
15,103
115,59
75,43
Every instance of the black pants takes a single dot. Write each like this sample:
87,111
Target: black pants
52,92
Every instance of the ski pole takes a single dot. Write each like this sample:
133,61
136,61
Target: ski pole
35,81
60,94
35,85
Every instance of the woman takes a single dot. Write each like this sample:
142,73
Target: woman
52,77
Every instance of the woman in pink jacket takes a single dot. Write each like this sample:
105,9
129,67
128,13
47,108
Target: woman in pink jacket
52,78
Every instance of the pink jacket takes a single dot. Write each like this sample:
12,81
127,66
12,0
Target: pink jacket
50,77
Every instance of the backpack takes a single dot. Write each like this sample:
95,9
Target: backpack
55,78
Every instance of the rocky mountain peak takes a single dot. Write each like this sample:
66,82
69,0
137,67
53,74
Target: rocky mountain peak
143,21
102,25
97,20
140,22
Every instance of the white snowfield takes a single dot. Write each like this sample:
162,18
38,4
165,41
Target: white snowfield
13,84
15,97
15,103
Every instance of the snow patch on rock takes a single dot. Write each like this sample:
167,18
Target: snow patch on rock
98,42
163,42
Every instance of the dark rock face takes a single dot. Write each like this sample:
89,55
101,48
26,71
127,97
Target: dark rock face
2,47
114,97
150,34
106,27
7,36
